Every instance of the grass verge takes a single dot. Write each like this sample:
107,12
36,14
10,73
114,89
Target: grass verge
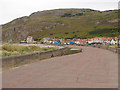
13,50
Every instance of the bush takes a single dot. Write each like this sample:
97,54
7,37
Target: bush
67,15
79,14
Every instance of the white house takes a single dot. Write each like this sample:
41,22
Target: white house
46,40
77,42
30,39
97,40
113,42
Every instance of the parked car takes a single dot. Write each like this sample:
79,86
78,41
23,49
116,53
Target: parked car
23,42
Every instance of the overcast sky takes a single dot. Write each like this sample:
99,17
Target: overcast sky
12,9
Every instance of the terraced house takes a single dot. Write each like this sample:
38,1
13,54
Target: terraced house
103,40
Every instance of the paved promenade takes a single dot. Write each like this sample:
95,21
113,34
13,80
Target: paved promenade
94,68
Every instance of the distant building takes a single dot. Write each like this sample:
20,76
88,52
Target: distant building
89,41
81,41
113,42
69,41
46,40
62,41
97,40
30,39
77,42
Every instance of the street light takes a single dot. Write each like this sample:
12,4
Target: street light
118,41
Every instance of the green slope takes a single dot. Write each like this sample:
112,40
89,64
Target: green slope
63,23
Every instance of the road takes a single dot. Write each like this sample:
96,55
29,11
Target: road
93,68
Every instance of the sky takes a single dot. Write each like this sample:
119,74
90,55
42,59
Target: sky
12,9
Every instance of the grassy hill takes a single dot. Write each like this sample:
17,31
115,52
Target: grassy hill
63,23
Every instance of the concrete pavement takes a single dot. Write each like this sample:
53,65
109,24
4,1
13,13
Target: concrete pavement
94,68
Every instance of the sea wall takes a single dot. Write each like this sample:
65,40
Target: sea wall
15,61
107,47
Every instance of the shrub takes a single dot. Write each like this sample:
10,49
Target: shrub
67,15
79,14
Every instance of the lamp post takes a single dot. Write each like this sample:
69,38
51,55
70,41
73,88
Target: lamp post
118,41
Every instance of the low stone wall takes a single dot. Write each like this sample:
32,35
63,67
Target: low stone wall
119,52
113,49
15,61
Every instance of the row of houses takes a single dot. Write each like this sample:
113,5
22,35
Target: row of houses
104,40
96,40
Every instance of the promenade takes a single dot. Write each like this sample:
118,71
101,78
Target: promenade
93,68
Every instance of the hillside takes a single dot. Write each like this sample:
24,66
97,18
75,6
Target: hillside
63,23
